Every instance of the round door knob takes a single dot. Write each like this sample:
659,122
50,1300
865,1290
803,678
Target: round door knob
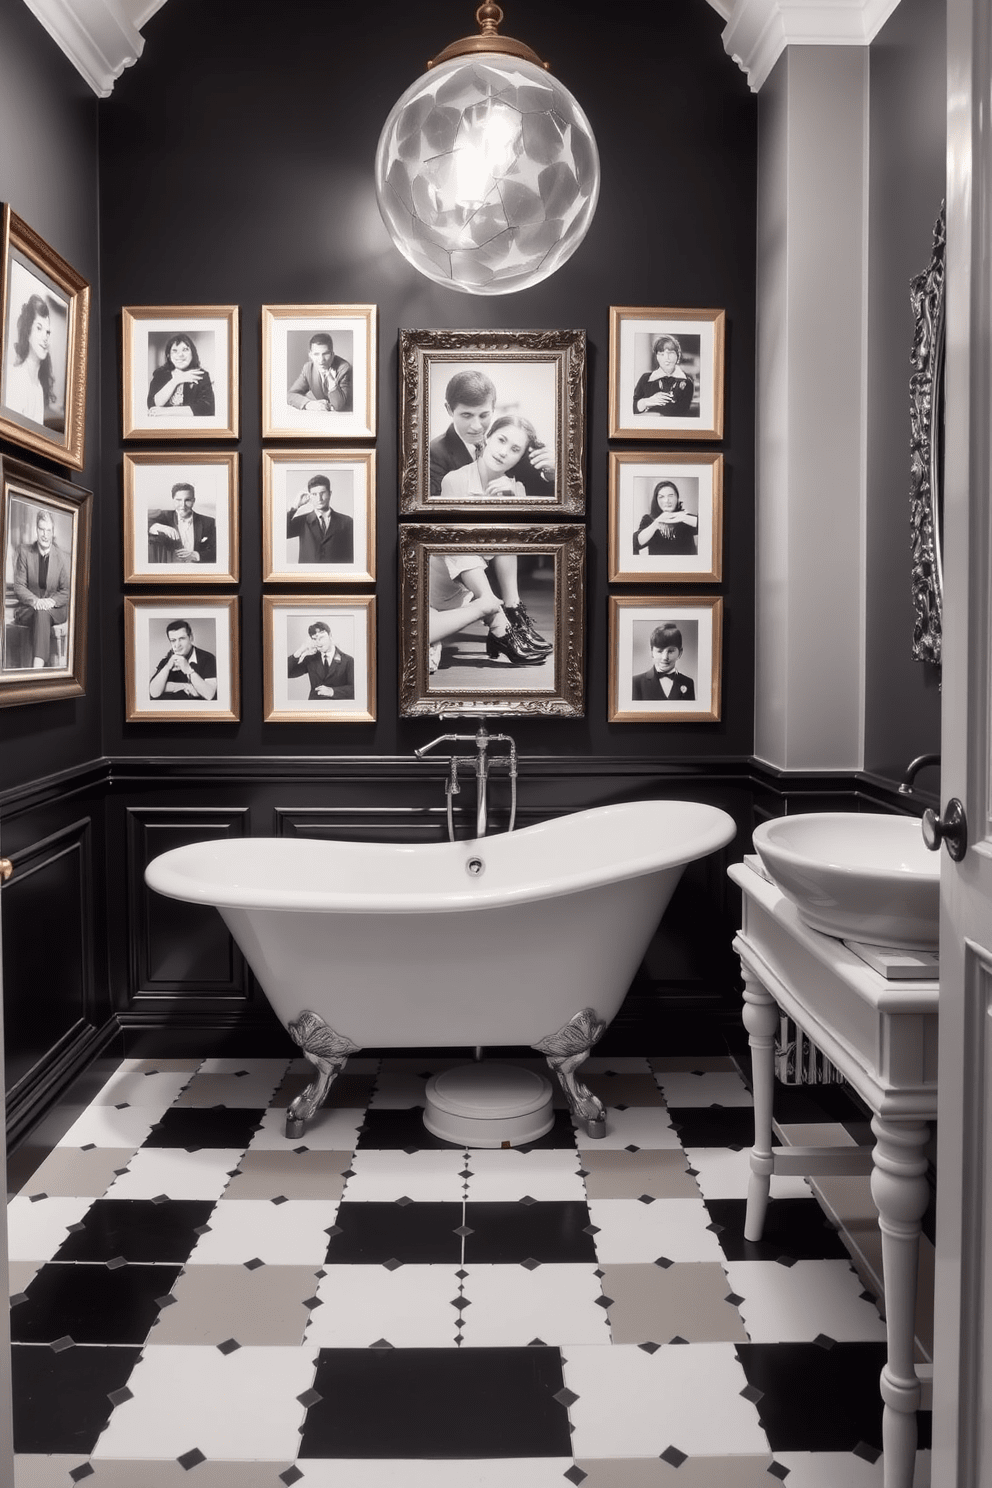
951,829
6,869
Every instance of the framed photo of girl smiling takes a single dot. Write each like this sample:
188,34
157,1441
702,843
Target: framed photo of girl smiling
666,517
181,371
666,373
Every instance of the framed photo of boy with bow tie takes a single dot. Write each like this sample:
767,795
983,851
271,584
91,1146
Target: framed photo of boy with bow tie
318,372
665,659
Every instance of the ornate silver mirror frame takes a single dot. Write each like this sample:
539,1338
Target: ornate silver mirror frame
926,394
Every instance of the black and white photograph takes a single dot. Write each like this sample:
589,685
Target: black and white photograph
181,659
45,314
319,658
181,518
45,541
665,659
666,517
492,421
491,614
318,371
318,516
181,371
666,373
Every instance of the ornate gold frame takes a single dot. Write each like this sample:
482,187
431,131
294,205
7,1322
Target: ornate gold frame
363,572
181,606
320,604
185,318
707,324
343,426
134,574
620,571
667,606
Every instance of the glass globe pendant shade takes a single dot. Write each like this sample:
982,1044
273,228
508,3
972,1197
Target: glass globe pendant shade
487,173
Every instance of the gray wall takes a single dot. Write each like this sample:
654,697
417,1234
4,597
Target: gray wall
907,182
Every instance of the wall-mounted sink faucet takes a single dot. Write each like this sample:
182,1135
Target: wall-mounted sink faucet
921,762
480,763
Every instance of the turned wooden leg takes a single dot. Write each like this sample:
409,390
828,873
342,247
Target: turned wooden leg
900,1190
761,1019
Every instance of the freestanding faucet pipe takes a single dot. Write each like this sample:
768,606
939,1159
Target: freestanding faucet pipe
480,763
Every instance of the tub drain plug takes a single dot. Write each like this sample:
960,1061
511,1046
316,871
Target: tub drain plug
475,866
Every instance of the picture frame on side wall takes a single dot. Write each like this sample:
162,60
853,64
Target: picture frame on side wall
181,371
666,517
181,517
665,658
491,619
319,658
318,516
44,329
666,373
181,659
493,422
319,371
45,541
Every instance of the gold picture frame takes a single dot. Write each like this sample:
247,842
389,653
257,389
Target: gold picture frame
156,490
175,393
666,517
308,394
319,654
695,679
150,624
666,373
503,376
42,385
294,548
457,580
46,589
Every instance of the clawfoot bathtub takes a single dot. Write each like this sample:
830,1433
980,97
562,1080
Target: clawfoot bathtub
527,938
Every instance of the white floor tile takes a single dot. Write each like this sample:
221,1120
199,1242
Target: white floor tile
410,1307
793,1304
382,1176
36,1229
722,1174
844,1470
635,1404
489,1472
139,1088
331,1130
708,1088
105,1126
674,1228
505,1176
510,1306
289,1234
176,1173
239,1406
638,1126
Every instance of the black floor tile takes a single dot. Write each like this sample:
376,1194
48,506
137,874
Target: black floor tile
796,1229
816,1399
210,1126
714,1126
561,1135
137,1230
436,1402
60,1398
371,1234
92,1304
552,1231
399,1131
815,1103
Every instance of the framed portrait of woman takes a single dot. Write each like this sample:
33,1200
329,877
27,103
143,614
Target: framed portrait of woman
318,371
44,320
665,658
666,373
666,517
181,371
318,516
45,543
491,619
181,659
181,517
319,658
493,422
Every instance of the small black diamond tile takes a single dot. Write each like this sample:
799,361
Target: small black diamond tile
461,1274
565,1397
403,1201
381,1343
733,1299
664,1263
394,1265
537,1343
312,1303
168,1301
191,1459
309,1398
37,1198
673,1456
88,1147
678,1339
464,1231
646,1199
527,1200
824,1341
751,1394
779,1470
84,1470
18,1298
118,1397
866,1453
632,1147
59,1345
228,1346
575,1475
530,1264
290,1476
649,1347
253,1264
279,1199
298,1150
788,1261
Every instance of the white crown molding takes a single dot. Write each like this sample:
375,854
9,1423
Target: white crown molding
758,31
100,37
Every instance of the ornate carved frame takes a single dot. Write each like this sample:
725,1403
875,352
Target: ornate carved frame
926,449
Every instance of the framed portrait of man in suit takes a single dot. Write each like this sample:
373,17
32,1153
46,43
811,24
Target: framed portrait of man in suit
45,543
319,658
665,659
318,372
318,516
181,518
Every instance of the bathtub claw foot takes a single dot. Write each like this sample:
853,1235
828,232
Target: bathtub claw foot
565,1051
328,1052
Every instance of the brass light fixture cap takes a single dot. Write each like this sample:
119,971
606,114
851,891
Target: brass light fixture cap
489,16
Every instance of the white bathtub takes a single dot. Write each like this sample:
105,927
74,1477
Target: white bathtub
399,946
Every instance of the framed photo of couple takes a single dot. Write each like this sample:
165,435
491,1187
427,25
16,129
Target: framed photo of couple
318,516
181,660
319,658
492,422
666,373
666,517
181,518
318,372
44,330
180,365
665,659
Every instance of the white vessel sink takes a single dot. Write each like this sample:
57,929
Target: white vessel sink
868,878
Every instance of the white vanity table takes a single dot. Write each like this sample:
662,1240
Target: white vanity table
882,1037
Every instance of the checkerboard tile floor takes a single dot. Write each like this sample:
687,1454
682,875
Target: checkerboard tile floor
197,1300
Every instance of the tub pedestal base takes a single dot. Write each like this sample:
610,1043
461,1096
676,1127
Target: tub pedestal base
488,1104
329,1052
565,1051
